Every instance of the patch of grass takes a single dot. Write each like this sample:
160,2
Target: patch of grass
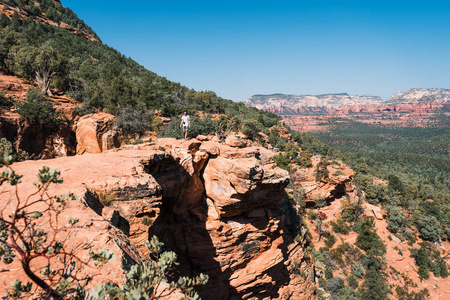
106,197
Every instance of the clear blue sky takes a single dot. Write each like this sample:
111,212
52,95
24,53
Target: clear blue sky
241,48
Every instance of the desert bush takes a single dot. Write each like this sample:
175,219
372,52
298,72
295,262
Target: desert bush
322,170
335,284
428,260
142,280
330,239
7,147
105,197
134,119
340,226
172,130
429,227
251,127
5,102
39,111
203,126
305,158
395,220
26,236
368,240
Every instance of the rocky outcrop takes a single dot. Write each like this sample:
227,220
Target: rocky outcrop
222,209
38,141
95,133
335,184
421,96
312,104
417,107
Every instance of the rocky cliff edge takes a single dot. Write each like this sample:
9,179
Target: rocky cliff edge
222,209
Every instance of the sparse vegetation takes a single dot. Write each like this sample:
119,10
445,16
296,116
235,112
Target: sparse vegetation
38,110
105,197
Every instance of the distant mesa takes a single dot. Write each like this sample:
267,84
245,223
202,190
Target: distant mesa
324,104
415,96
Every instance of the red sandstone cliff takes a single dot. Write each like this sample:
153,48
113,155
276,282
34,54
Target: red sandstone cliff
219,207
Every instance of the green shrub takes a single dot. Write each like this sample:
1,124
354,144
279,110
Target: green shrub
5,102
352,282
368,240
404,294
38,111
335,284
358,270
395,220
142,280
328,272
340,226
374,286
7,147
322,170
330,239
203,126
134,119
312,215
430,229
172,130
429,260
106,197
305,158
251,128
147,221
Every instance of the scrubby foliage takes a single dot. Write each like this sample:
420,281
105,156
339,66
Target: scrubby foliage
5,101
143,281
31,230
251,128
134,119
7,147
428,259
37,110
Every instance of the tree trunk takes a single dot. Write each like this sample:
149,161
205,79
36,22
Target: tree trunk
43,81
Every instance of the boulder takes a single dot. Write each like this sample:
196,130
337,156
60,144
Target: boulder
374,210
90,130
236,141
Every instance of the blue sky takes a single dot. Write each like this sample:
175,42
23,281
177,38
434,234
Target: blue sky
241,48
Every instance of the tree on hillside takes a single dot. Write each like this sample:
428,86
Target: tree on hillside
319,202
42,64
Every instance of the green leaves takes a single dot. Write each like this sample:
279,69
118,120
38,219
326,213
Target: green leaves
102,256
49,175
142,280
10,176
38,110
17,289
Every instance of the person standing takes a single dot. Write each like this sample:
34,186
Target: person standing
185,123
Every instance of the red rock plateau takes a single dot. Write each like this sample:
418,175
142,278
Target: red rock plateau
401,115
220,208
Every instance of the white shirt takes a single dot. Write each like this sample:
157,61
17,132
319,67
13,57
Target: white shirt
185,120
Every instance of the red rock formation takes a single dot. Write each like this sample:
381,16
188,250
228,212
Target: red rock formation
95,133
38,141
219,207
419,115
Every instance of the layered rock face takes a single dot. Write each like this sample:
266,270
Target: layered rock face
222,209
417,107
95,133
308,104
222,212
38,141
